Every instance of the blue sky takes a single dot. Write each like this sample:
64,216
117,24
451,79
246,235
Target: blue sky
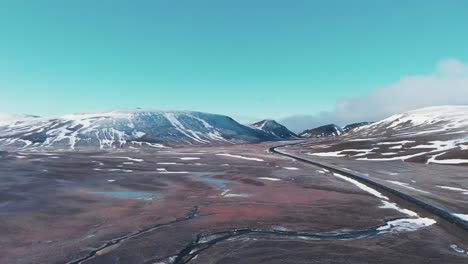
245,58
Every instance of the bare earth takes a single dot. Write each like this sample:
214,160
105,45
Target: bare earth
191,205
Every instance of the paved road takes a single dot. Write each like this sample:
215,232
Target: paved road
449,221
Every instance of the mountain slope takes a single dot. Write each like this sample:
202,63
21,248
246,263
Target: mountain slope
275,129
128,127
431,135
6,118
331,130
355,126
429,120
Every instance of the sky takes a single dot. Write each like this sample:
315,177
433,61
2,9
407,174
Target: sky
302,62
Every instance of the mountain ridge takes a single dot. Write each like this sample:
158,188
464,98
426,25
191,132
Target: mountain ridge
275,129
330,130
125,127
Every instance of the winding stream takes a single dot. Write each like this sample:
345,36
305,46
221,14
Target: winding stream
204,242
191,215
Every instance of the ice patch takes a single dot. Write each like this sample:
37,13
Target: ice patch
406,225
290,168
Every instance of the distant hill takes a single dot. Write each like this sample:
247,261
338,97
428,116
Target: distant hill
429,120
6,118
121,128
275,129
353,126
331,130
431,135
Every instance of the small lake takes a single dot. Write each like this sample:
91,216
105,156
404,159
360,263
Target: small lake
218,182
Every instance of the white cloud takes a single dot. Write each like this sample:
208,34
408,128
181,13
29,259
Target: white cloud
447,85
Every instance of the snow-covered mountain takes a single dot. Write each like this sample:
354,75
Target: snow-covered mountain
6,118
275,129
431,135
331,130
122,128
355,126
424,121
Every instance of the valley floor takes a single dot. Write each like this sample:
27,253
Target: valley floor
236,204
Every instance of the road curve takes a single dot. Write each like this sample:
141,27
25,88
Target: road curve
453,223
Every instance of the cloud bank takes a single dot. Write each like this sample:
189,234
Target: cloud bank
447,85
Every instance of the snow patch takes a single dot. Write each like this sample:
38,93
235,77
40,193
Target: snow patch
269,179
173,172
406,225
290,168
327,154
394,206
465,191
463,217
239,157
189,158
362,186
457,248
